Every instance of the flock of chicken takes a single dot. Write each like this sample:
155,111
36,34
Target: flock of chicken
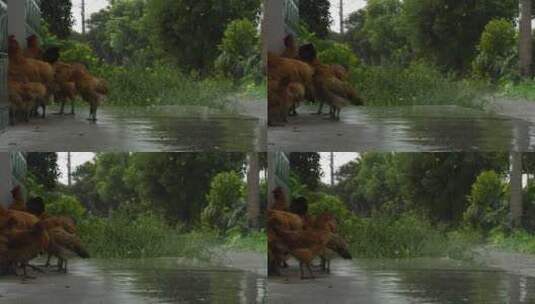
297,75
293,232
26,231
35,77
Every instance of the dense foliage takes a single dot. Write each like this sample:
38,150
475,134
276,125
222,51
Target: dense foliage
58,15
44,168
425,204
315,14
306,166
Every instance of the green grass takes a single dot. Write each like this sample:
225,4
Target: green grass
164,85
405,236
518,241
418,84
253,241
522,90
148,236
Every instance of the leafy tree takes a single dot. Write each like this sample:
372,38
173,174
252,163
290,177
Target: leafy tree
85,189
226,206
109,179
239,47
376,183
316,15
44,168
497,55
66,205
434,183
307,167
487,204
189,30
117,34
176,183
448,31
58,15
339,53
377,32
440,182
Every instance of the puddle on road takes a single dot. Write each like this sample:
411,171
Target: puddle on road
408,128
442,281
162,281
190,128
162,128
406,281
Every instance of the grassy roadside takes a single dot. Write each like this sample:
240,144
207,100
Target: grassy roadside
524,90
147,236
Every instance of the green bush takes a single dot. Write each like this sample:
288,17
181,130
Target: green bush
226,207
408,235
239,48
524,89
497,51
78,52
252,241
487,204
123,235
339,53
163,85
418,84
66,205
518,241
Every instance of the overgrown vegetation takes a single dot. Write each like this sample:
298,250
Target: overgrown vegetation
123,235
142,205
152,54
408,52
402,205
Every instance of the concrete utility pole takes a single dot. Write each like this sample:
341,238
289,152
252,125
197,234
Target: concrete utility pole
342,17
83,17
515,202
69,168
332,168
525,46
253,197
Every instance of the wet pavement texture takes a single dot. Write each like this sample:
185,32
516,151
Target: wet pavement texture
403,129
147,129
165,280
409,281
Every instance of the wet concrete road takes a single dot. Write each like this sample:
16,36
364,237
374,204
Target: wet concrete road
413,281
168,128
403,129
167,280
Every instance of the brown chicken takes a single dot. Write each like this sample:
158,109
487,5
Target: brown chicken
24,69
33,50
284,220
291,50
23,97
304,245
52,222
92,89
330,83
290,82
16,219
313,237
24,244
64,222
64,245
18,199
336,246
280,202
65,85
278,252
